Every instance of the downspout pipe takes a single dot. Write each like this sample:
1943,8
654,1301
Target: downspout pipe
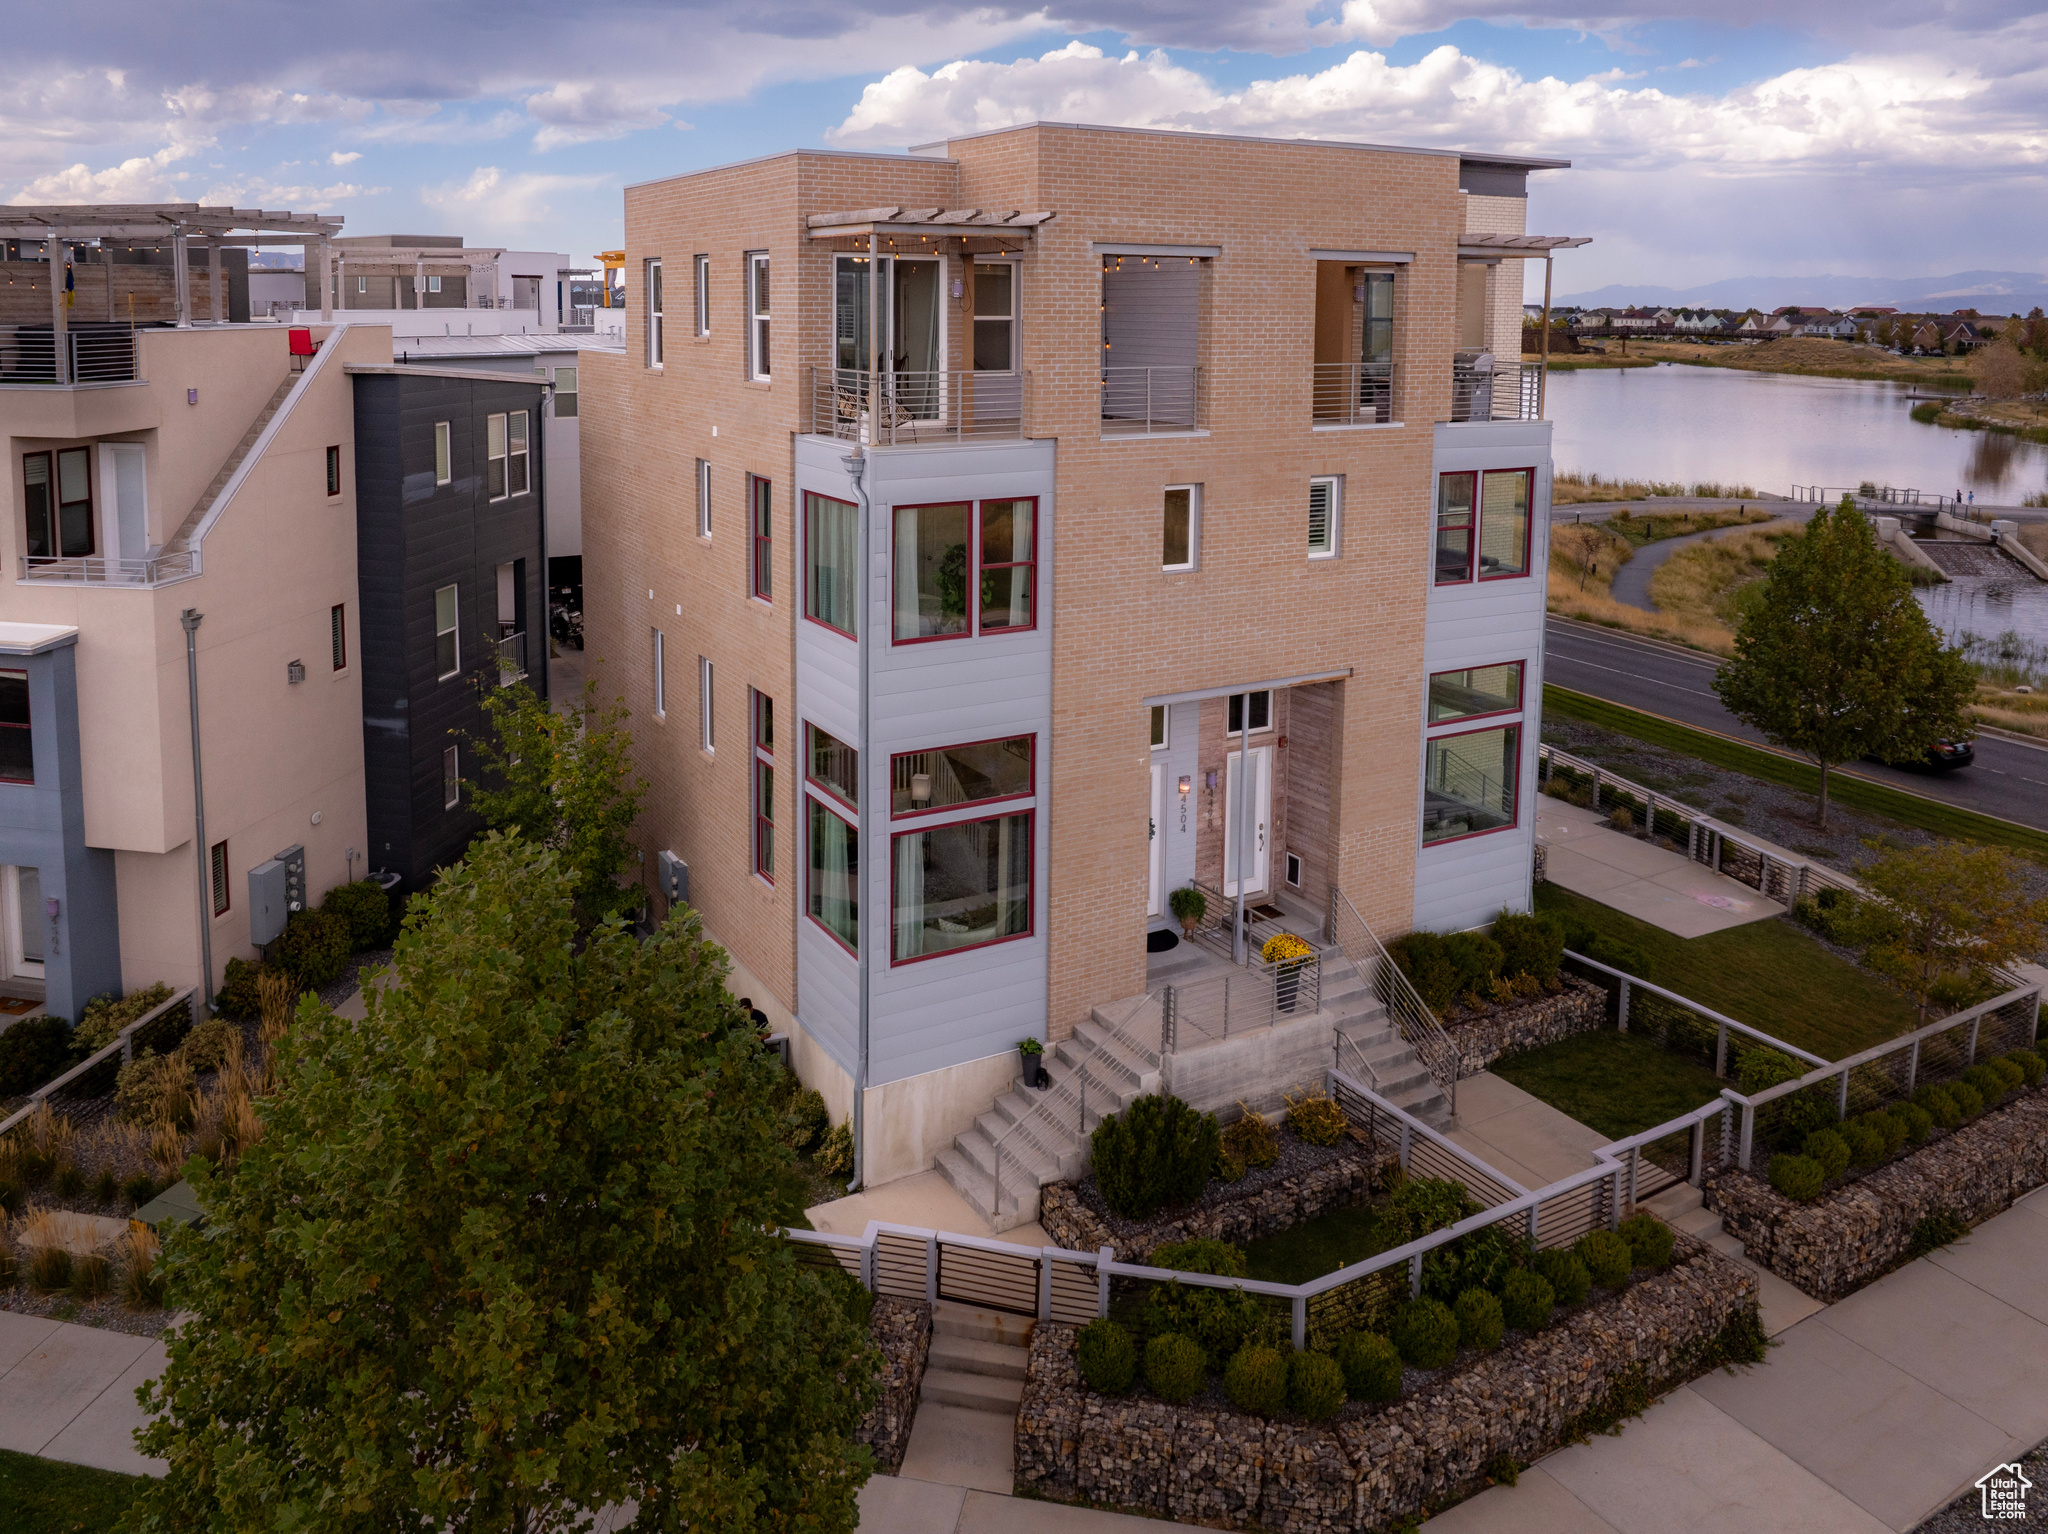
856,468
1244,807
191,618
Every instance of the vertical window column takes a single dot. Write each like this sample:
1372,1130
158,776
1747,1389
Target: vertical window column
757,317
764,786
761,516
653,286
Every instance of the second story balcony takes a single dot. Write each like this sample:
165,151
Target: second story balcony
30,354
922,409
1484,389
1148,401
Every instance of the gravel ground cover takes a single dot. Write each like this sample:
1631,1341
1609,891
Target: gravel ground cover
1967,1511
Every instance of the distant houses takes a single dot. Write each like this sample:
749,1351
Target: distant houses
1876,324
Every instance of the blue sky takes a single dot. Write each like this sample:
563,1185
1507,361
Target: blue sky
1708,140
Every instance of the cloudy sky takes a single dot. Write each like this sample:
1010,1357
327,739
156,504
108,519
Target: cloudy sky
1867,137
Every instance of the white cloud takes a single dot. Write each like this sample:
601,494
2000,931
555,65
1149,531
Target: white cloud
146,178
340,158
299,198
502,200
582,112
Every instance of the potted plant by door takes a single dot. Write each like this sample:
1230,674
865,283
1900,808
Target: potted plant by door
1032,1051
1288,955
1189,905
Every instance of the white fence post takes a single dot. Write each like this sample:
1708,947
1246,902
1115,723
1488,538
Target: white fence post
867,1264
1699,1150
1104,1256
1622,1022
1407,1133
1721,1050
1913,1067
1975,1023
1301,1323
1748,1136
931,1268
1044,1285
1535,1211
1415,1275
1842,1097
1614,1203
1634,1162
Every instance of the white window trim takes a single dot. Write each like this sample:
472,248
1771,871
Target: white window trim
1165,741
1015,320
444,453
1334,531
706,679
455,629
649,272
757,262
1194,528
703,497
660,676
1258,729
451,778
525,421
700,292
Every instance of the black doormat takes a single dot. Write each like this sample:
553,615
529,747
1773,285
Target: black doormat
1267,912
1162,941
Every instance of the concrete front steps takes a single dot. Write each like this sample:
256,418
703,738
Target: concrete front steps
977,1361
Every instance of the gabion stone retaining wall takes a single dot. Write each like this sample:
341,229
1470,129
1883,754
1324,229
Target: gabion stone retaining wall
1580,1007
1842,1240
1371,1466
902,1329
1350,1178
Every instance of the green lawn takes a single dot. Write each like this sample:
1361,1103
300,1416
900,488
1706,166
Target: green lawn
1844,787
1322,1245
1617,1083
42,1496
1769,974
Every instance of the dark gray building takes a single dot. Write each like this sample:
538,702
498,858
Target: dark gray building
451,533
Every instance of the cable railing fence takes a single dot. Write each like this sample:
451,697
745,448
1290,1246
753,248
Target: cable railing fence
1418,1027
161,1027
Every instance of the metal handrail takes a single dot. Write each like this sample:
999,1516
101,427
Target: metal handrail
1724,1023
1142,401
1266,981
900,409
1501,391
123,1044
1419,1027
1353,394
154,571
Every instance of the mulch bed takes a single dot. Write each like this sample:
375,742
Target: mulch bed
108,1315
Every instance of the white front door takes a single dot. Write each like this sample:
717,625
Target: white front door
1156,889
1256,831
21,892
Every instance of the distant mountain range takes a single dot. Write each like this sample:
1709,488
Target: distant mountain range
1992,292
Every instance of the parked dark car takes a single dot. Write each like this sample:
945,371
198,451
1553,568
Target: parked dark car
1942,756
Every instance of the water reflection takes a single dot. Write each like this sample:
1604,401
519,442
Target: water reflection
1771,431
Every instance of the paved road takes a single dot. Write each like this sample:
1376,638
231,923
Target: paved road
2009,779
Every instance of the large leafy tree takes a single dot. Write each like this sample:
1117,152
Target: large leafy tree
506,1251
1834,659
564,780
1943,915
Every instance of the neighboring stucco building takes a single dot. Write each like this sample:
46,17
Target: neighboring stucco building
1201,496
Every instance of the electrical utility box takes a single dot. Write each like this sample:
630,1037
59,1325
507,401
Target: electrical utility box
294,860
673,874
267,907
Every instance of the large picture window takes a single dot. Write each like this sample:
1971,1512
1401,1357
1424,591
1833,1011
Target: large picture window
833,765
960,886
1475,692
832,895
949,776
1454,516
962,569
17,750
1482,525
831,562
1468,783
57,500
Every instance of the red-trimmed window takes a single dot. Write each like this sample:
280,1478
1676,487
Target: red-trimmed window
832,766
832,563
1455,515
1482,525
961,885
761,530
17,749
953,777
1475,692
960,568
1469,783
832,888
764,786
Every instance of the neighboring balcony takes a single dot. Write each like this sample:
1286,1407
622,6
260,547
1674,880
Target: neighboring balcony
1483,389
1354,394
1149,401
512,658
29,354
157,570
917,409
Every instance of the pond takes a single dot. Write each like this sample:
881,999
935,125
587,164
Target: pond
1771,431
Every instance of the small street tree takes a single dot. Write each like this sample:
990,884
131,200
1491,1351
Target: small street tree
564,780
1834,659
505,1253
1942,915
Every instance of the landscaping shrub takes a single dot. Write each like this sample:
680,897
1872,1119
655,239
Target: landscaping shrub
1476,957
1480,1320
1315,1386
1831,912
31,1052
1220,1320
1107,1357
1799,1178
1649,1240
238,996
1969,1101
314,949
1569,1279
1891,1125
1424,1204
106,1016
1866,1145
2031,1064
106,1187
1428,968
367,910
1156,1152
804,1125
1529,945
1990,1085
1918,1121
835,1155
1371,1365
1174,1368
1426,1333
1315,1118
1255,1379
1481,1260
207,1046
67,1182
1617,954
49,1268
139,1189
153,1089
2010,1072
142,1280
1204,1254
1251,1138
1941,1105
9,1265
1607,1257
1827,1147
92,1277
1526,1301
1760,1069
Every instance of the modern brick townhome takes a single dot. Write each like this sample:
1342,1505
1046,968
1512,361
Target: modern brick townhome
1175,463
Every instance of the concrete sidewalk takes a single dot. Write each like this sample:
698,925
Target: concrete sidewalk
68,1392
1667,889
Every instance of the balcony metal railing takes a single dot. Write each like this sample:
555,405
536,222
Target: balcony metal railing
1353,394
1487,390
28,355
511,658
153,571
1142,401
913,409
